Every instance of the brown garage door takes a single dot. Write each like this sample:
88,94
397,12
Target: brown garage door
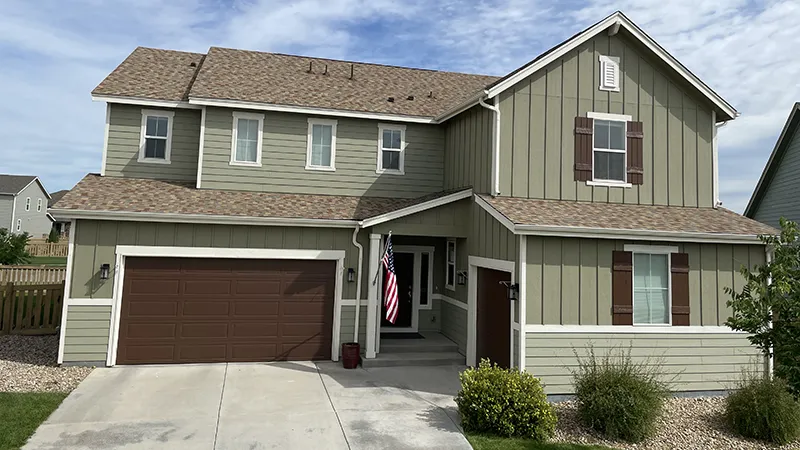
181,310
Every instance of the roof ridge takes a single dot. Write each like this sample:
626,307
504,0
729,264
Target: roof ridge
144,47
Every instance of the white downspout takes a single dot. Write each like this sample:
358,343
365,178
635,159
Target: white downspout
715,157
496,144
358,280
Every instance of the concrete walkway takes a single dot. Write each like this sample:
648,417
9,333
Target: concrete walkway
258,406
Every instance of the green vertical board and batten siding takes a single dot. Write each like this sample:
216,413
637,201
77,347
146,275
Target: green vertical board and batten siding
86,334
468,150
451,220
569,279
537,141
780,197
283,158
124,137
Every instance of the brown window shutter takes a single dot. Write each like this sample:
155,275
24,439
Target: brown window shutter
635,157
584,127
680,289
622,288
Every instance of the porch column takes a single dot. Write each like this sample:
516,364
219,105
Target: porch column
372,294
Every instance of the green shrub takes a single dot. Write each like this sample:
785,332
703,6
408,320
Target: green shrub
53,237
505,402
618,397
763,409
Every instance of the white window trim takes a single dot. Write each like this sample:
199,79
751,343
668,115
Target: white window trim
28,204
259,144
19,224
613,118
605,59
310,139
170,115
379,166
39,205
652,250
451,287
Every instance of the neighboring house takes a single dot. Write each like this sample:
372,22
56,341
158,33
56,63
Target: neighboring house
61,226
245,199
776,194
23,205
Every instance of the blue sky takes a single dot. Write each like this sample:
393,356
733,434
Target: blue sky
53,55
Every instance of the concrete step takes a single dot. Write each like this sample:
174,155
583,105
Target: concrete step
417,346
414,359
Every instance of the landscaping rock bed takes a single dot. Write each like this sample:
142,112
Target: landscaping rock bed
688,423
28,364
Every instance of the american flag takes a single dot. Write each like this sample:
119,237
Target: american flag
390,288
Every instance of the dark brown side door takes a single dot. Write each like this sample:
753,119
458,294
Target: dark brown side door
494,317
182,310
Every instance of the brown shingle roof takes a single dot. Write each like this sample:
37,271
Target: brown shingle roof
109,194
153,73
616,216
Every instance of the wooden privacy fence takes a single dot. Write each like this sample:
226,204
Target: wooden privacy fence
32,309
32,274
48,249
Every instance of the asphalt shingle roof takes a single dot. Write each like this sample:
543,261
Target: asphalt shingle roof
558,213
12,184
110,194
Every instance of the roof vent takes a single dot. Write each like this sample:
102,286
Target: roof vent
326,70
351,71
410,97
430,95
311,67
390,99
192,64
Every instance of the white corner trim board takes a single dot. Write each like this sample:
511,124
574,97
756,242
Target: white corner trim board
628,329
67,287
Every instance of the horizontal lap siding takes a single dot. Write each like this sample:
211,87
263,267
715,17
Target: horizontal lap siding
454,325
124,137
6,206
36,223
696,362
86,334
430,319
537,130
569,279
780,199
468,150
96,241
284,159
347,320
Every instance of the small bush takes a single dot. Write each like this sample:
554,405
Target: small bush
505,402
618,397
763,409
53,237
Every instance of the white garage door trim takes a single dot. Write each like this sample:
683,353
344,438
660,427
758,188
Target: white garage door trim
124,251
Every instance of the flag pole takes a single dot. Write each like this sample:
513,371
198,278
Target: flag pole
383,253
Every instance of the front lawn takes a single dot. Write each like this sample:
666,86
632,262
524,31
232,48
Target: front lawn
22,412
48,261
481,442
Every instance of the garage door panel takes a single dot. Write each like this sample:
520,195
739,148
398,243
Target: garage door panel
206,310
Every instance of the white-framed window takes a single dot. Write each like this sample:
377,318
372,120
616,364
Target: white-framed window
321,151
652,284
450,274
609,148
39,205
156,136
609,73
28,204
391,148
247,139
19,224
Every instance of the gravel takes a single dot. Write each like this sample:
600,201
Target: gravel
28,364
688,423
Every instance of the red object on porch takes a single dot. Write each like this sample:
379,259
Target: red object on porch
351,355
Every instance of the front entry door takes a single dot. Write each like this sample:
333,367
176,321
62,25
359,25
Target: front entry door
414,268
494,317
404,269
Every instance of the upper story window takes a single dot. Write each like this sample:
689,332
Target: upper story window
391,148
28,204
247,137
609,150
156,139
39,205
321,152
19,224
609,73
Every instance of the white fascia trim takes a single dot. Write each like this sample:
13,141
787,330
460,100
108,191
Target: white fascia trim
234,137
449,300
67,287
495,213
651,249
609,116
228,253
494,264
201,146
630,329
200,218
144,102
89,302
307,110
638,235
460,108
454,197
37,181
105,140
611,21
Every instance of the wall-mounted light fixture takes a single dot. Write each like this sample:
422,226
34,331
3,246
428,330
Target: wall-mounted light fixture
512,288
462,277
351,275
104,270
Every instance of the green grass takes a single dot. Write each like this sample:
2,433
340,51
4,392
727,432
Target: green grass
22,412
48,261
482,442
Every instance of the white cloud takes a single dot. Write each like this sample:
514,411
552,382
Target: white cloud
52,56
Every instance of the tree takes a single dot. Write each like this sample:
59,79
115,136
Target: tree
768,307
13,247
53,237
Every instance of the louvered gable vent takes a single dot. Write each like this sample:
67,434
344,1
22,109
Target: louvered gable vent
609,73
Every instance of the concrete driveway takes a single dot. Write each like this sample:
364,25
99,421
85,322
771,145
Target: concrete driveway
258,406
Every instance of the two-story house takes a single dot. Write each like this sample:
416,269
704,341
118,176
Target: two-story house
245,200
23,205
